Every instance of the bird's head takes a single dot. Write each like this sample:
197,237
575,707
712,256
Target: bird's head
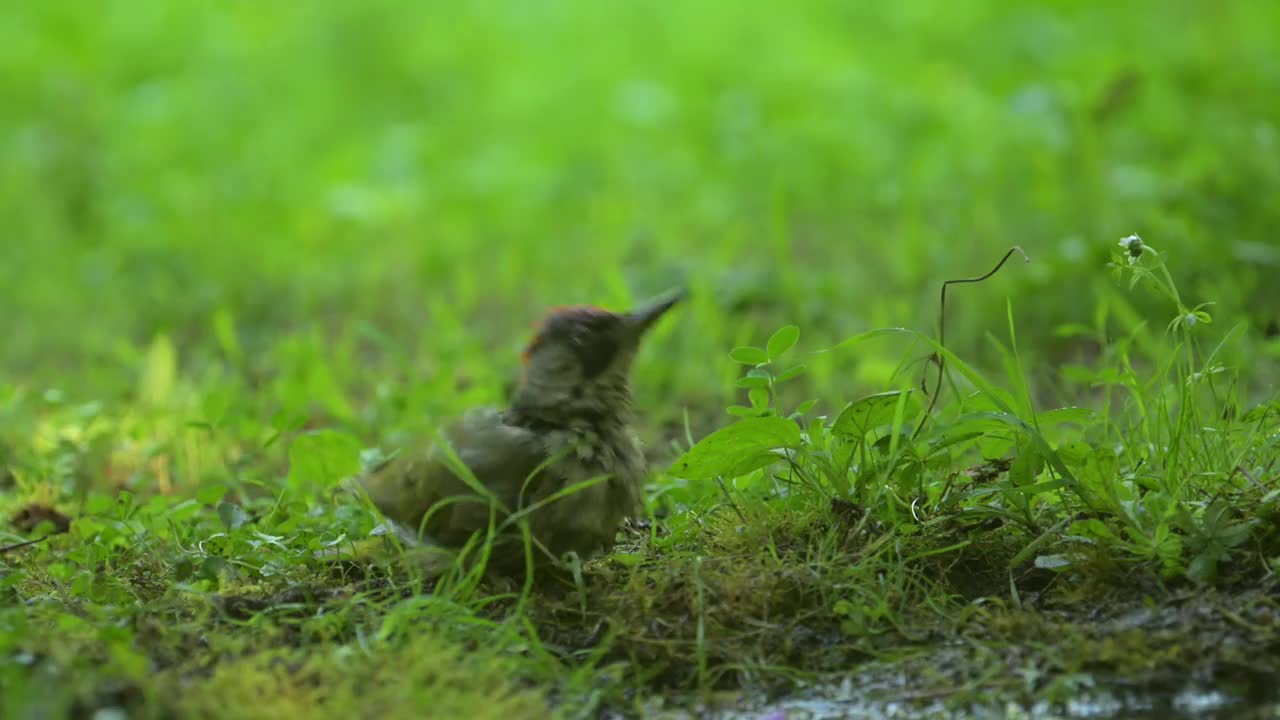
579,361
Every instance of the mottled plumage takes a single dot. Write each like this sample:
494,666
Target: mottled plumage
568,423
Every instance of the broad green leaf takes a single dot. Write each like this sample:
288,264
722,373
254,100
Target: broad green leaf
737,449
322,458
71,623
86,527
1075,454
287,421
875,410
233,516
747,355
782,340
215,406
1094,529
211,494
282,422
211,567
1204,567
184,510
994,401
99,504
1026,465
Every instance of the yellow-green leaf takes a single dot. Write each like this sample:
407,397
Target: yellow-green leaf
738,449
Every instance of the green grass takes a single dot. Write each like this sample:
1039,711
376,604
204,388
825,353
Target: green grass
245,243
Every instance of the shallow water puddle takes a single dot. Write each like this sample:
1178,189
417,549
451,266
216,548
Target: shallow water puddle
1207,657
1190,703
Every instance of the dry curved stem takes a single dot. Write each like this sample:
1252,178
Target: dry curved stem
16,546
937,358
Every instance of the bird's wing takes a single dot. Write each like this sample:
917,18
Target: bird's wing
499,456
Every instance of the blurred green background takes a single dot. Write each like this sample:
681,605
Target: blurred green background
354,211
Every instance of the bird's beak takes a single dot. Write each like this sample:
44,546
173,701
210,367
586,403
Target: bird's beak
643,317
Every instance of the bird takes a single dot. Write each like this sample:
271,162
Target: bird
562,456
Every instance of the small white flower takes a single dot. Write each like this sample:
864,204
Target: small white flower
1191,319
1132,247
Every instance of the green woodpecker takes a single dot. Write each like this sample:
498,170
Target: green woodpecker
562,456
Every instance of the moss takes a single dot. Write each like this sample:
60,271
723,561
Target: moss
421,676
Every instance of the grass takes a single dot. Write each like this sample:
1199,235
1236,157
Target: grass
247,243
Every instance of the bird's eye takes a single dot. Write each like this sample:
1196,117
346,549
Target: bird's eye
596,352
